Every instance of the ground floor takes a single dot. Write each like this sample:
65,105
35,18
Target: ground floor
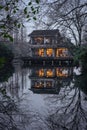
50,52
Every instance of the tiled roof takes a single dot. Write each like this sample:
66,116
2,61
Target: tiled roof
45,32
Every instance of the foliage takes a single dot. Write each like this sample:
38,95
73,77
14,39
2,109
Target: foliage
6,57
12,15
6,68
81,56
8,112
6,54
2,62
69,16
6,71
81,82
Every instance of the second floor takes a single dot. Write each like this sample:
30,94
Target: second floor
45,37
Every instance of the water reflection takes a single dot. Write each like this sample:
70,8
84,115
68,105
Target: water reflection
5,72
50,80
62,94
15,84
69,109
81,82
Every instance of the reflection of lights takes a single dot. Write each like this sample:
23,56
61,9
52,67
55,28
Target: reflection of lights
49,52
61,72
49,84
49,73
43,84
39,84
41,72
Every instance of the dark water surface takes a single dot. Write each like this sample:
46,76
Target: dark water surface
43,98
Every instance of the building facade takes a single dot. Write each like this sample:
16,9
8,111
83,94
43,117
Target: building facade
48,44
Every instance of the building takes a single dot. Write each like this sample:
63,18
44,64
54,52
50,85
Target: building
49,44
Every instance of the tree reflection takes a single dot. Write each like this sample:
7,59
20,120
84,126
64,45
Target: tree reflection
5,72
14,115
16,82
67,107
70,112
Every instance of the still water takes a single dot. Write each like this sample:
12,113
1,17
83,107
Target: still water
43,98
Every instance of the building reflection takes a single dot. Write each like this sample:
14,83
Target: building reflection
39,80
50,80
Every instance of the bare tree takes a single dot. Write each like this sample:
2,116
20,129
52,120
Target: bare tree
13,15
69,16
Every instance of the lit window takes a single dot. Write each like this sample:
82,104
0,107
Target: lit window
41,72
39,40
49,52
57,53
59,72
41,52
49,73
62,52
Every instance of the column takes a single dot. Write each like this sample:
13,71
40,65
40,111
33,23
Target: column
53,52
45,84
45,52
53,84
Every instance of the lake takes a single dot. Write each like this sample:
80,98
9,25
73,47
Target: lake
43,98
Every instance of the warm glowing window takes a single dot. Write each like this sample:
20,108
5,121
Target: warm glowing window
62,52
41,52
38,40
49,52
57,53
59,72
41,72
49,84
49,73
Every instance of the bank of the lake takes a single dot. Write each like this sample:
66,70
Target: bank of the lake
6,55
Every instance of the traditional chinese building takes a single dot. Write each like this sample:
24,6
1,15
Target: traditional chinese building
48,44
